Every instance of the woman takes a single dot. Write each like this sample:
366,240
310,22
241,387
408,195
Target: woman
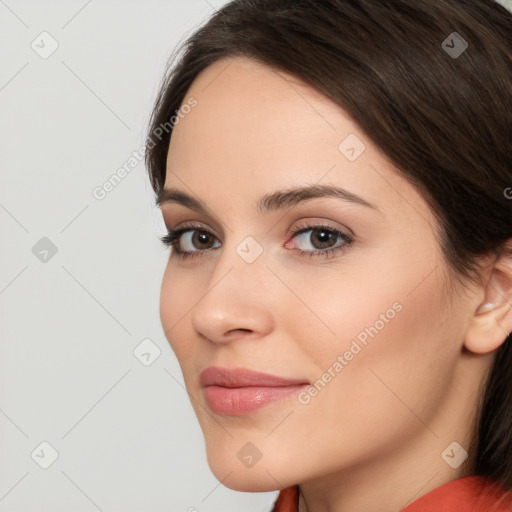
338,195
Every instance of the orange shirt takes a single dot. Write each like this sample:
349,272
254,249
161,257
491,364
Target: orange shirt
467,494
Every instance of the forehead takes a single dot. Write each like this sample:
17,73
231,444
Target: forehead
255,129
238,74
240,95
256,116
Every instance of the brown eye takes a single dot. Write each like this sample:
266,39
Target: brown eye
322,238
318,240
202,240
194,240
189,241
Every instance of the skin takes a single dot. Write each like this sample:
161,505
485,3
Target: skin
372,438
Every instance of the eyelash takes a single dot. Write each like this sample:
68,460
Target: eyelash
174,235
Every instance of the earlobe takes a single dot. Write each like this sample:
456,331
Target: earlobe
486,307
489,328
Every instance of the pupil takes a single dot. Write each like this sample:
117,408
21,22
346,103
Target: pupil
324,237
201,238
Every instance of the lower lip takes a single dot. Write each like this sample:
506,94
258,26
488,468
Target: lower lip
240,401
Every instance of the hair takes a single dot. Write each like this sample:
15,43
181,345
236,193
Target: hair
444,120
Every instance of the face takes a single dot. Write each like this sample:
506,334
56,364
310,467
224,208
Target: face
344,291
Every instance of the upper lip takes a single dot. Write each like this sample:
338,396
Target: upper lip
243,377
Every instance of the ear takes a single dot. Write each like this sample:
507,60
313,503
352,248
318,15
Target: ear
492,320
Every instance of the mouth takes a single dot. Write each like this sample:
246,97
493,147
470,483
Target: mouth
240,391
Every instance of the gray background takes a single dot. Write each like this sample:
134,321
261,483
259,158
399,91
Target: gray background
121,422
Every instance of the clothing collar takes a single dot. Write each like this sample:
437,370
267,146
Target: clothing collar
472,493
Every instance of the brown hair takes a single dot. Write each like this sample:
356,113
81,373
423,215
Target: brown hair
430,83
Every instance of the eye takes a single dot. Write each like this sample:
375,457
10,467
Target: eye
186,240
319,240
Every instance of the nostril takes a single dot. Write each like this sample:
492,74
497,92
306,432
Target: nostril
238,331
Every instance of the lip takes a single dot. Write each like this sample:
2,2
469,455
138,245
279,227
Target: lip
243,377
240,391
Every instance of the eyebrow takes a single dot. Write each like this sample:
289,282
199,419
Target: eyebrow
271,202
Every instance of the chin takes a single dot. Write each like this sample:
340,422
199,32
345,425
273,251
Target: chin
234,474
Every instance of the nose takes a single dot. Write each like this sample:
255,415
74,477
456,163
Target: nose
235,302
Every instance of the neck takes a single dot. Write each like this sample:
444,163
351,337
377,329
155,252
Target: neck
385,491
401,472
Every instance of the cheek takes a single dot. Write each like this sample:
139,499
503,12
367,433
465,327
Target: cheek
175,302
389,353
384,301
